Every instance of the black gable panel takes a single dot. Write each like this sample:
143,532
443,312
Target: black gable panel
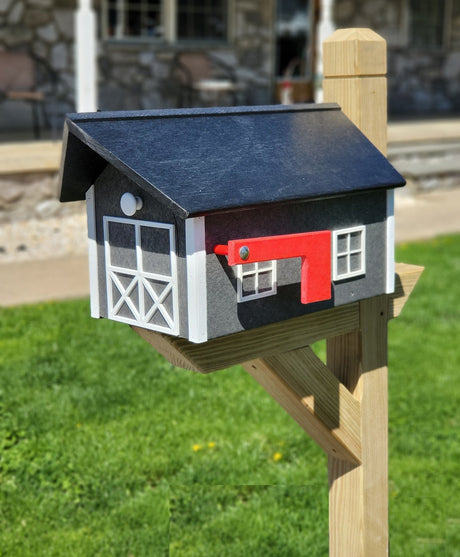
80,167
201,162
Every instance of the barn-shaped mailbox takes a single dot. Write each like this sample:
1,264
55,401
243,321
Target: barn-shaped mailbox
207,222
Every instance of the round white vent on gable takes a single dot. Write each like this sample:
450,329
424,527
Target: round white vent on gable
130,203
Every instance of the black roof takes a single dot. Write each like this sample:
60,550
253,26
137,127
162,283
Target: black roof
200,161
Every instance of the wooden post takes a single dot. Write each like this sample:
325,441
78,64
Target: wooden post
354,69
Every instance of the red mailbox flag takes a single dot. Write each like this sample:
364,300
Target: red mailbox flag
314,249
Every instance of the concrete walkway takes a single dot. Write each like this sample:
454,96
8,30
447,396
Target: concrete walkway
427,215
417,218
29,282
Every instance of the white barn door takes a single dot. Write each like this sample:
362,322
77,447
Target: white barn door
141,274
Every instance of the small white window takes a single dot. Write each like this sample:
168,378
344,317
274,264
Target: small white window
256,280
349,253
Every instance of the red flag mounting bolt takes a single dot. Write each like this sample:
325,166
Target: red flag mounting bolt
314,249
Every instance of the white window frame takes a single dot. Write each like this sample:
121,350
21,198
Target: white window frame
348,252
139,278
169,22
255,270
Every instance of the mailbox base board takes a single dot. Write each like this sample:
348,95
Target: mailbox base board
272,339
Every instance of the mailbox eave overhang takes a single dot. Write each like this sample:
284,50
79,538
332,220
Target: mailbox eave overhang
202,161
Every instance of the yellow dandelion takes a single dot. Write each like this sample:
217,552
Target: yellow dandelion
211,444
197,447
277,456
78,425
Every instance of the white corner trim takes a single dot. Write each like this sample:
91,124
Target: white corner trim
92,254
195,241
390,241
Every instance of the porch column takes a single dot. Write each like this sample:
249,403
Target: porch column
85,58
325,29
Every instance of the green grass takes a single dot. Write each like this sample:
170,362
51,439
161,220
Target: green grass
107,449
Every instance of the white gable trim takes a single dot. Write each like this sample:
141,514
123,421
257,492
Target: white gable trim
92,254
196,279
390,280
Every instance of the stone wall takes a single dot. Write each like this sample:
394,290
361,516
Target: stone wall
419,81
132,75
44,27
32,195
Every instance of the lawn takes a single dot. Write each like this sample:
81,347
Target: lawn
107,449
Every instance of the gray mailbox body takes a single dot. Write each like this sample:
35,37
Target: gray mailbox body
164,188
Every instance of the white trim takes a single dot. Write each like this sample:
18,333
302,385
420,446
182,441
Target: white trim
243,271
390,241
168,21
85,52
92,254
335,254
140,278
197,302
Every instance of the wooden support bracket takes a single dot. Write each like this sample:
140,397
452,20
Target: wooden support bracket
315,398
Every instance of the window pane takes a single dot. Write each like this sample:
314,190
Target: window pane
141,18
292,27
355,262
342,265
122,241
249,285
156,250
356,240
112,21
427,23
133,23
201,20
265,281
342,244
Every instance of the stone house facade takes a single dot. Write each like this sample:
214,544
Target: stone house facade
134,72
423,39
135,52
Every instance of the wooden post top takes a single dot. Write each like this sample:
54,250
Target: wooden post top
354,52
